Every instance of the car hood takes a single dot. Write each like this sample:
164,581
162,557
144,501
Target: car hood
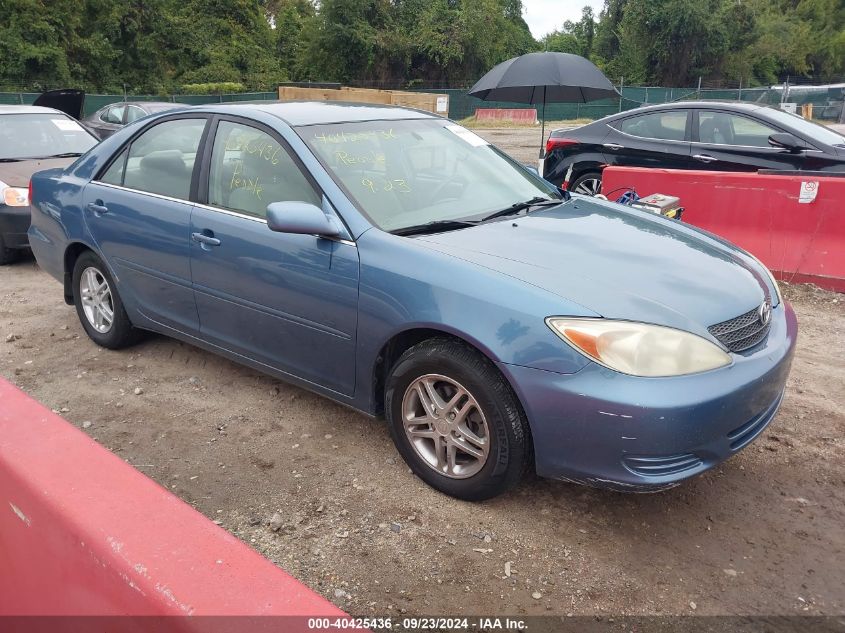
18,174
617,262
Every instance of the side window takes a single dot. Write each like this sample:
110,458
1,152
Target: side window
161,160
666,126
113,115
114,174
721,128
250,169
133,113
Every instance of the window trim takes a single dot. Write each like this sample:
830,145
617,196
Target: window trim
687,128
127,144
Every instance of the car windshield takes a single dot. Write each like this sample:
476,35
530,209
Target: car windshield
413,172
42,135
810,129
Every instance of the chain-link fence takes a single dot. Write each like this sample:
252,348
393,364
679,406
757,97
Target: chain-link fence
828,101
94,102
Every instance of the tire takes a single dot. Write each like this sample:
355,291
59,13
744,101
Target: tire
589,182
114,333
7,255
492,417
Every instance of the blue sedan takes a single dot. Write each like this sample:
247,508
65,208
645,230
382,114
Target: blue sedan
397,263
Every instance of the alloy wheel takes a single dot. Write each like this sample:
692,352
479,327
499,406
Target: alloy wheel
589,187
446,426
97,301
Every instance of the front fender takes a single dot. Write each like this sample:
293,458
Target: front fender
405,286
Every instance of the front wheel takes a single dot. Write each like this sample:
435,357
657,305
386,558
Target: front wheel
588,184
456,421
98,304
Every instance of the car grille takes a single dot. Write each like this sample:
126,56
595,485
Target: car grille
742,332
658,466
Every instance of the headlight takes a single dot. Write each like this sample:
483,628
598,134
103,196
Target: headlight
639,349
14,196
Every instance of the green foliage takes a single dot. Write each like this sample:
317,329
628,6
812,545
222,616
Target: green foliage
226,87
163,45
673,42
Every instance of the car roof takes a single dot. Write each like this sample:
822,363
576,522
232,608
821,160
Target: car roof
741,106
298,113
28,109
171,104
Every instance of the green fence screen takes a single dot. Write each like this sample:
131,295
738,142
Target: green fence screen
828,103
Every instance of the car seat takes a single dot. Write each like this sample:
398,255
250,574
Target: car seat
163,172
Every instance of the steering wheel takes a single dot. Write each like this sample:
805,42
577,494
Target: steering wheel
453,179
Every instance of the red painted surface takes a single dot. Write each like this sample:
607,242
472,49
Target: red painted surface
521,115
84,533
760,213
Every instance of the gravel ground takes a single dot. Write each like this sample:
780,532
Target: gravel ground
319,489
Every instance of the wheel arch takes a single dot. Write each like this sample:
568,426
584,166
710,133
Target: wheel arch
400,342
71,255
403,340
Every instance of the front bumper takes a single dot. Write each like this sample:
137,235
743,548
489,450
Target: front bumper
606,429
14,223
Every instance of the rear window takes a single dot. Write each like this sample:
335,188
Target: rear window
665,126
42,135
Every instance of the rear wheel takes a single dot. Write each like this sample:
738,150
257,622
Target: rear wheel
588,184
456,421
98,304
7,255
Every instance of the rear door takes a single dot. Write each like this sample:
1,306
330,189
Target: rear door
287,301
139,214
652,139
728,141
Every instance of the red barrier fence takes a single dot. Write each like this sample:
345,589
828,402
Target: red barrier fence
799,242
518,115
84,533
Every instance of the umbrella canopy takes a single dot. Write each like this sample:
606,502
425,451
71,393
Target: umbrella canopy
544,78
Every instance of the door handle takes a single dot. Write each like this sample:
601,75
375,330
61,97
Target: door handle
704,158
613,146
98,208
205,240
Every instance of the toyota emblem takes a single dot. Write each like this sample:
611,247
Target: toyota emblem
765,313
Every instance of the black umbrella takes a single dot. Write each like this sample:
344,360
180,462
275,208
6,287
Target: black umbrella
544,77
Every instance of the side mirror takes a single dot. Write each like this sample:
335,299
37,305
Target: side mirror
786,141
301,218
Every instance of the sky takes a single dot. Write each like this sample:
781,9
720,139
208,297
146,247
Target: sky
544,16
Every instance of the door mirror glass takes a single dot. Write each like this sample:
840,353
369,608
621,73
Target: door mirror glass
786,141
301,218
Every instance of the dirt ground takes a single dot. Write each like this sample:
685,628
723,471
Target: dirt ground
762,534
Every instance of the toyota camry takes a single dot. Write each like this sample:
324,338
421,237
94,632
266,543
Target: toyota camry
396,262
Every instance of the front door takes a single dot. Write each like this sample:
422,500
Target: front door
287,301
725,141
139,216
